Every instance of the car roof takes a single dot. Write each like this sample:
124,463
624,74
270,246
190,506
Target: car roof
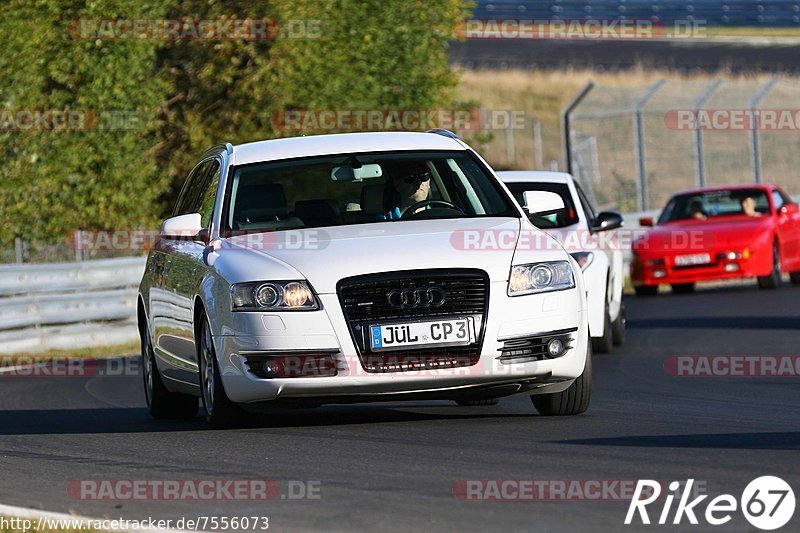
737,187
542,176
340,143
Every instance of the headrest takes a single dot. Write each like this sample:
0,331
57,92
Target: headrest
372,199
261,199
323,212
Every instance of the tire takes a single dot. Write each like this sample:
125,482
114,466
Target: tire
574,400
618,327
605,343
478,403
683,288
646,290
795,277
772,281
161,403
219,410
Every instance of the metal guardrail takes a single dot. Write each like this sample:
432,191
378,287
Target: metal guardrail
68,305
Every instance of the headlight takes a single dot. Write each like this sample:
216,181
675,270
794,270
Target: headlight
273,296
584,259
540,277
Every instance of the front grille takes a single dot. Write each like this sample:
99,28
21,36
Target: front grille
364,302
533,348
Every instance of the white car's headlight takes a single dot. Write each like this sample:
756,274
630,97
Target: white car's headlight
273,296
584,259
540,277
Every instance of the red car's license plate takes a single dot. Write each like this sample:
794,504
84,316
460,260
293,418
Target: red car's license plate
691,260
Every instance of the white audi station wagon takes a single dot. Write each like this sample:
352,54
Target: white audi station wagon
352,268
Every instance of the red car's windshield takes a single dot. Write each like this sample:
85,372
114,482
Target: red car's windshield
711,204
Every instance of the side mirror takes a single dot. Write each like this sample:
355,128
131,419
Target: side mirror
789,209
646,222
607,220
542,202
186,227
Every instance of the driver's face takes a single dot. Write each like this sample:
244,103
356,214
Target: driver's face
415,190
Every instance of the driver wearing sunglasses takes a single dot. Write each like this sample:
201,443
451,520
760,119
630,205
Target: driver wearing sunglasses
409,184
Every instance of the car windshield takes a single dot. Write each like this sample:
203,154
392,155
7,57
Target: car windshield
559,219
711,204
361,188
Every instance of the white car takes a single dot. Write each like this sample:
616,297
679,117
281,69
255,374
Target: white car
329,269
578,226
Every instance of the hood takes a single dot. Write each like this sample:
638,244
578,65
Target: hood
323,256
714,234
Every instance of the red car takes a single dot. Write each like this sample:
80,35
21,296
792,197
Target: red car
719,233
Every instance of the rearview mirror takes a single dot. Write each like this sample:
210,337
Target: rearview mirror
361,173
789,209
542,202
646,222
182,226
607,220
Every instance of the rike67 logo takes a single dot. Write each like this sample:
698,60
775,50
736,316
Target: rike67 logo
767,503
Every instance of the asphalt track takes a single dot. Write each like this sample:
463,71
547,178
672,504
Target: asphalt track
394,466
708,55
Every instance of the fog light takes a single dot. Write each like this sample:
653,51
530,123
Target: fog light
659,273
731,267
555,347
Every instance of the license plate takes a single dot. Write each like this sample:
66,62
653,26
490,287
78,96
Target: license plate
690,260
451,332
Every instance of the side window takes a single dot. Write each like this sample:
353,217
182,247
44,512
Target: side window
208,194
778,200
587,205
188,200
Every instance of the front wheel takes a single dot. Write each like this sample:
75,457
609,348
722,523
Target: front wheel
618,327
773,280
605,343
161,403
646,290
219,410
795,277
574,400
683,288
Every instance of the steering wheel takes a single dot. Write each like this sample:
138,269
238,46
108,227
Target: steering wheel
412,209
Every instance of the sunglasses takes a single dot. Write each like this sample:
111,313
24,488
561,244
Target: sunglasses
421,176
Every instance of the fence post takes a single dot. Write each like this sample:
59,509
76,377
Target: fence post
755,143
511,153
638,131
567,128
699,168
19,250
538,158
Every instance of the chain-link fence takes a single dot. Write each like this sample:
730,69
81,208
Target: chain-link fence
634,147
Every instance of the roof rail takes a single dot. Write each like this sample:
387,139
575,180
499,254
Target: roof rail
443,132
224,147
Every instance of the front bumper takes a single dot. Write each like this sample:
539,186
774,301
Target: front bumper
326,330
654,269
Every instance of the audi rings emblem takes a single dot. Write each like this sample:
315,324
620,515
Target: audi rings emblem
419,297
